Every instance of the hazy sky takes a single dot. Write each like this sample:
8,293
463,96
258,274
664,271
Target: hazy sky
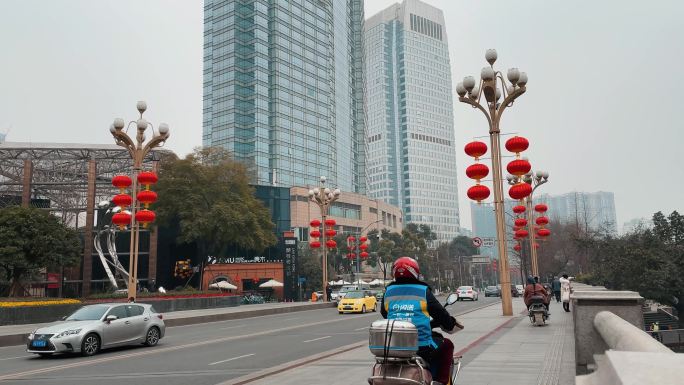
600,111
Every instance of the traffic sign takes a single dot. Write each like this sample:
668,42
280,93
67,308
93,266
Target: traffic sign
477,241
480,259
488,242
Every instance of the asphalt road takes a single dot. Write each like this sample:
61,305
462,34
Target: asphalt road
202,354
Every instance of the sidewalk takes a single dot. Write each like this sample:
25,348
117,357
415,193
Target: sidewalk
16,334
496,350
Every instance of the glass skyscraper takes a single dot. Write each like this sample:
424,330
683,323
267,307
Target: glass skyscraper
411,150
283,89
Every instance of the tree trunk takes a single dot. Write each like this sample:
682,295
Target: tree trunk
16,289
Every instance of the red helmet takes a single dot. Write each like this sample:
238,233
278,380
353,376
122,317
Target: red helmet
405,267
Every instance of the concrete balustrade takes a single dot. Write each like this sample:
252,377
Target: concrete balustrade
610,341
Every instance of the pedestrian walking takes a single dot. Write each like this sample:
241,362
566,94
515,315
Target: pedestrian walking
328,292
655,329
566,289
556,288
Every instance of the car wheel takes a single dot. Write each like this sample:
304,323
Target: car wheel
339,312
90,345
152,336
363,309
45,355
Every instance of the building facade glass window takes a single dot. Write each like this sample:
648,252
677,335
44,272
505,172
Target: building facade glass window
411,158
283,89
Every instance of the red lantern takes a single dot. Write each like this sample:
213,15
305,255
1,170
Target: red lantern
477,171
331,244
351,256
536,245
521,233
520,190
122,219
330,232
541,208
541,221
330,222
520,222
315,244
517,247
363,238
519,209
122,200
315,223
543,232
517,144
147,197
315,233
478,192
122,182
476,149
519,167
351,239
146,178
363,246
145,217
363,254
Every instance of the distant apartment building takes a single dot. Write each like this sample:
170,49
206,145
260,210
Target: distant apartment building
283,89
411,159
593,211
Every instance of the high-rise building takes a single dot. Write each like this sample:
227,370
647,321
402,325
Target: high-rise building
283,89
411,150
592,211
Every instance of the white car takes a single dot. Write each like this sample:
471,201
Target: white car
466,292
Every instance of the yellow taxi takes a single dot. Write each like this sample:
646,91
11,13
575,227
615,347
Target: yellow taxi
357,301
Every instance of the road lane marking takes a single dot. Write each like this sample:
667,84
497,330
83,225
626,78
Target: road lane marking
232,359
317,339
289,319
233,327
363,328
146,352
14,358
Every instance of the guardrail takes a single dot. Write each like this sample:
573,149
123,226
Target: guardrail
610,341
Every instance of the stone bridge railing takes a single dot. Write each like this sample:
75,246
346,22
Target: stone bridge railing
611,346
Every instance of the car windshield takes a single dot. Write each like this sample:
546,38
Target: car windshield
491,287
88,313
465,288
354,294
345,289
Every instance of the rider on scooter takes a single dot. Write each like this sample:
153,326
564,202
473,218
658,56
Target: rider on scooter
534,289
409,299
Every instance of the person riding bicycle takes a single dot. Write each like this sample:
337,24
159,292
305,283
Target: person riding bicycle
409,299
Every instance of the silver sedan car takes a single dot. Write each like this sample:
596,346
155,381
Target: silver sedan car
94,327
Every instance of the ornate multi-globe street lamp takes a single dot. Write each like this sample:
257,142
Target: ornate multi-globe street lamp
498,95
138,150
324,198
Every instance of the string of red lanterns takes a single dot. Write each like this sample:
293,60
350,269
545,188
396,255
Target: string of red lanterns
123,201
477,171
315,233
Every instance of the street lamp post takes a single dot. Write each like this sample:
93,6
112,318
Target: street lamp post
324,197
492,108
137,149
536,180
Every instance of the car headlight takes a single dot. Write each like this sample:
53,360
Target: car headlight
68,333
32,335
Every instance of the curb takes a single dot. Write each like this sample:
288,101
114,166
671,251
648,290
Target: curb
20,338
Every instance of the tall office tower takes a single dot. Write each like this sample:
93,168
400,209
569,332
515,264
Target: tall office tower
411,150
591,211
283,89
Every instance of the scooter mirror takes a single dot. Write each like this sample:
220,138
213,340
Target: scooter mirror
452,298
